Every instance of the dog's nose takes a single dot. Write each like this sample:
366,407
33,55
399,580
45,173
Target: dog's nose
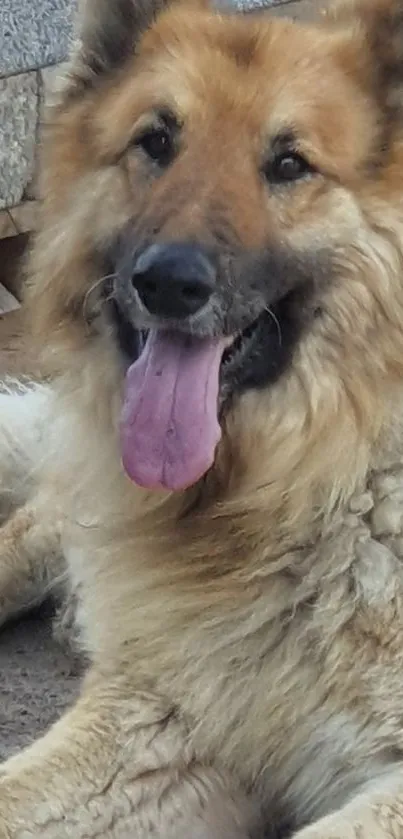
174,280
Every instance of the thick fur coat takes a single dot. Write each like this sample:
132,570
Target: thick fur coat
245,632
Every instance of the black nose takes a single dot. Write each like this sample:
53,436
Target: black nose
174,280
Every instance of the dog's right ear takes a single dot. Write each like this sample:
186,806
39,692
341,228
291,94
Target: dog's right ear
109,30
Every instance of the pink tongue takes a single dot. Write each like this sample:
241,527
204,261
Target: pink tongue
169,427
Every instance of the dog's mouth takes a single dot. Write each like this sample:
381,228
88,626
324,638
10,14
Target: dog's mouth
239,345
174,389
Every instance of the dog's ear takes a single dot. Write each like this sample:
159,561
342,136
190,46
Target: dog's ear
107,32
376,30
109,29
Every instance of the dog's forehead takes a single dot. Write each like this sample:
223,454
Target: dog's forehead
244,63
244,44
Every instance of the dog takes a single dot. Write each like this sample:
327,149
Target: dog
217,283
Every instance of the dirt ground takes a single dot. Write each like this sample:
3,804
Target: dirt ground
38,680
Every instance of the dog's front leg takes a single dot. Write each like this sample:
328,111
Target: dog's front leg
30,559
116,766
375,813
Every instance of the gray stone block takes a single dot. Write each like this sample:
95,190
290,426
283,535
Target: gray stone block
251,5
34,33
18,129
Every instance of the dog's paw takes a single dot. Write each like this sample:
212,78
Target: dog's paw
345,826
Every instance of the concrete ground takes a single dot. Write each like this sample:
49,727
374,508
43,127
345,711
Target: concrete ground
38,681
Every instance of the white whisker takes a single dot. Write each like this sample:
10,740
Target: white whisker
277,322
90,291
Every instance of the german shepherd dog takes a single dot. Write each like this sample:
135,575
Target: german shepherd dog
218,286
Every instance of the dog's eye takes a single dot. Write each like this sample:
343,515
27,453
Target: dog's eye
157,144
286,167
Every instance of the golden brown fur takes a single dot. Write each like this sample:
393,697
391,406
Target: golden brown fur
246,636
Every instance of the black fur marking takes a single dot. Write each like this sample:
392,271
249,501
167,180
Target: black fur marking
273,344
128,338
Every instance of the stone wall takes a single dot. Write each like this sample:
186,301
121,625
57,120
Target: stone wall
34,35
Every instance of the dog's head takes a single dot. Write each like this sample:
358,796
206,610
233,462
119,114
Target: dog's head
223,204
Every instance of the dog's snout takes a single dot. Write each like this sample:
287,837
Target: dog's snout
174,280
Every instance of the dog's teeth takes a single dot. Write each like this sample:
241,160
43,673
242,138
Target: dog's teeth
238,344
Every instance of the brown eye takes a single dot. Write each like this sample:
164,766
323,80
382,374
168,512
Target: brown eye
286,167
157,144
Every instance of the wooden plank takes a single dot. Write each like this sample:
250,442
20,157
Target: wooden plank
8,303
12,251
17,356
